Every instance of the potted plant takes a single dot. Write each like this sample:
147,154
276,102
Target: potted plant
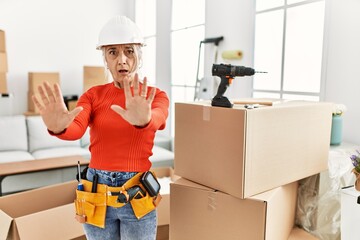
355,159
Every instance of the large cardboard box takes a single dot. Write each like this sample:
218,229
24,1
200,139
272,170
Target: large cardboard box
3,83
93,75
2,41
44,213
3,62
244,152
199,212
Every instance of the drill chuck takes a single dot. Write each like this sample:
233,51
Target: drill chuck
231,70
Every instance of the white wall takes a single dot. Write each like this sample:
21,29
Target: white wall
235,20
343,64
53,36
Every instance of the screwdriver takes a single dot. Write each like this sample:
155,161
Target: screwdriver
80,186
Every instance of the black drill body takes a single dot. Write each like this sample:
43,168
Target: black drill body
227,73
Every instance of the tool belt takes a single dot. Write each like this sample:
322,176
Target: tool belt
91,206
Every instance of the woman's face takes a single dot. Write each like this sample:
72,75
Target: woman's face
121,60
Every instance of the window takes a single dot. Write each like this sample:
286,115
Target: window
146,20
288,45
187,30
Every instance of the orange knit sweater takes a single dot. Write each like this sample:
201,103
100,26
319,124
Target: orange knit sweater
116,145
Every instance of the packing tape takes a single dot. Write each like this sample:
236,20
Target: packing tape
212,203
206,113
232,54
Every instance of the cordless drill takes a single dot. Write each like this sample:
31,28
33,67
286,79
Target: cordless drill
227,73
133,192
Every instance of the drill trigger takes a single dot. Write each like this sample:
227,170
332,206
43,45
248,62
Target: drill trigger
230,79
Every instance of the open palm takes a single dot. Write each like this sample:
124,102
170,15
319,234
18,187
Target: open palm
52,109
137,105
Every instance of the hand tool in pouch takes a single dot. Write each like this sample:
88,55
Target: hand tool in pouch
80,186
95,183
80,216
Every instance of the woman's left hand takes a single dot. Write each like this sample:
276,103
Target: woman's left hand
138,105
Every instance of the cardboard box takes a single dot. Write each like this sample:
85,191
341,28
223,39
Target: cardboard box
38,78
93,75
71,104
163,210
31,104
35,80
3,83
2,41
3,62
301,234
44,213
244,152
350,213
199,212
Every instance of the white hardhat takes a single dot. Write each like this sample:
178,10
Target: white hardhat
119,30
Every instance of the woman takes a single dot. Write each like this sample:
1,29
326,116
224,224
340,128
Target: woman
123,117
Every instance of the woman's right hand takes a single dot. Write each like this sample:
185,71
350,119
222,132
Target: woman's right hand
53,110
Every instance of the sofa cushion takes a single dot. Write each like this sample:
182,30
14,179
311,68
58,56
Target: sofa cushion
85,140
60,152
13,135
162,157
163,141
39,138
15,156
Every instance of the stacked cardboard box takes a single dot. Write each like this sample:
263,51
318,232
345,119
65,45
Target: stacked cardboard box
35,80
242,166
3,63
6,106
93,75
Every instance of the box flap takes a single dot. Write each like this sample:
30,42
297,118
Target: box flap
188,183
260,101
5,222
24,203
56,223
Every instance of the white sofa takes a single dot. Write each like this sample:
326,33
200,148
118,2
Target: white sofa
26,138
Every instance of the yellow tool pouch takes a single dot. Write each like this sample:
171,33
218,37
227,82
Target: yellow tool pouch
91,207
